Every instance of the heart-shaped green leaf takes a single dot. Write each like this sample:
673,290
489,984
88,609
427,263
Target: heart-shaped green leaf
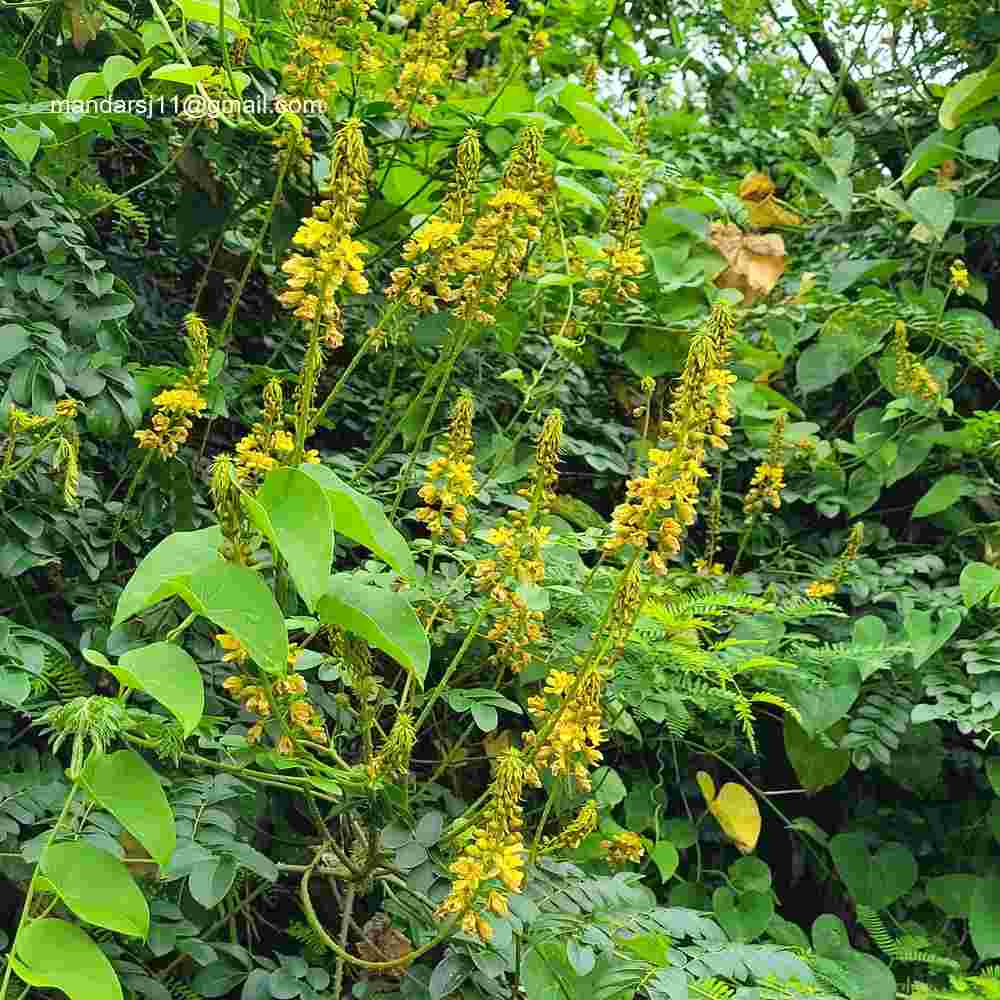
170,675
873,880
816,765
745,916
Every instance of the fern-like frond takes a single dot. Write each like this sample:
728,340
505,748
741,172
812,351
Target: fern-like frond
872,922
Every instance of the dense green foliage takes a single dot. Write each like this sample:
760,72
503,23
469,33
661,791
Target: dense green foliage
499,500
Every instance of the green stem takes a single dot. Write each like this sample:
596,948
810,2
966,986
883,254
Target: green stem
26,908
453,666
313,921
404,476
345,923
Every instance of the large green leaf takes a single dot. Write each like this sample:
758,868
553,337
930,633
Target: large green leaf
968,93
953,894
983,143
873,880
292,511
820,706
743,916
978,211
170,675
166,567
54,954
383,617
978,580
927,154
838,191
984,918
934,209
363,520
927,636
597,126
208,12
846,341
97,887
211,880
948,490
128,788
817,766
848,272
238,600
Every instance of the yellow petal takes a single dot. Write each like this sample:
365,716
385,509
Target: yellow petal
736,810
706,785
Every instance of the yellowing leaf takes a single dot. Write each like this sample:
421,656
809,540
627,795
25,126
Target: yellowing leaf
736,810
756,262
771,213
756,187
706,785
756,191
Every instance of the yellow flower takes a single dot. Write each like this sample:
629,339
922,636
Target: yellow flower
255,732
180,401
959,276
820,588
625,847
285,746
539,43
699,417
301,711
233,684
235,653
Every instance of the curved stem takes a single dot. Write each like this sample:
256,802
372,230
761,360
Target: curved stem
310,914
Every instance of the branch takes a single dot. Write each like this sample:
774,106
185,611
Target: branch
856,100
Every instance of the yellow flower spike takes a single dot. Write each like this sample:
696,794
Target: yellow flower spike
735,809
623,848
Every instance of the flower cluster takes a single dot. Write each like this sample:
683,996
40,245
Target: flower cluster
57,429
288,694
331,259
623,848
623,256
568,716
449,479
959,276
700,413
706,565
519,541
493,860
307,74
171,423
832,583
769,476
426,282
912,376
268,444
434,51
393,760
573,834
474,275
